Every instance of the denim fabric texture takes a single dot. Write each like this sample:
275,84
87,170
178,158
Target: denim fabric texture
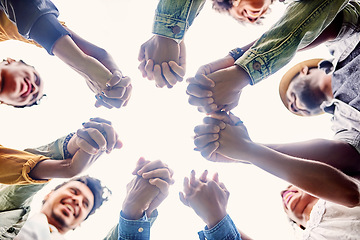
302,22
173,18
224,230
136,229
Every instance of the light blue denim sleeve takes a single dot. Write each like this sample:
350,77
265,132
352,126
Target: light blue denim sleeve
302,22
52,150
132,229
224,230
174,17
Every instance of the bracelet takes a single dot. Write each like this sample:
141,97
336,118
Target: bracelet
236,53
65,144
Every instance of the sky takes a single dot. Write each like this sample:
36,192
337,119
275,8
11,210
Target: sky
159,123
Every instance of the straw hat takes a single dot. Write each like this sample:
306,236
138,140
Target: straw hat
291,73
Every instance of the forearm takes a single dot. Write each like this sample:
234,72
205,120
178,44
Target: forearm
71,54
331,184
94,51
338,154
66,168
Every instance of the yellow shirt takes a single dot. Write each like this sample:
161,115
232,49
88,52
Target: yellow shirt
15,166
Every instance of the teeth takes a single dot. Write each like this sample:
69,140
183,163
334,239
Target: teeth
69,207
288,196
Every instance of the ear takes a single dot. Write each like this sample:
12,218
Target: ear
304,70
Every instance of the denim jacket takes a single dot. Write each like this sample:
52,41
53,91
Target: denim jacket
15,200
224,230
301,24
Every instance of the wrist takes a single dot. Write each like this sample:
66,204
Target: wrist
69,146
241,77
131,211
132,214
215,220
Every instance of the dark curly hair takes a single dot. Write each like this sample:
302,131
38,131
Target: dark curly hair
222,6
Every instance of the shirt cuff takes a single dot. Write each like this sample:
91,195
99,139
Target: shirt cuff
225,229
254,65
170,28
136,229
47,30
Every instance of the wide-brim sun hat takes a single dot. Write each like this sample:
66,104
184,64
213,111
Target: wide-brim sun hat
290,75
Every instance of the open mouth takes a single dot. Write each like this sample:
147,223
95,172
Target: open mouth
287,195
69,210
28,87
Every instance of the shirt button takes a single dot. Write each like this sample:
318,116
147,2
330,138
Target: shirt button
176,29
256,66
140,229
11,230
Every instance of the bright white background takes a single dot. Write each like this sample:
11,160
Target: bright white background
158,123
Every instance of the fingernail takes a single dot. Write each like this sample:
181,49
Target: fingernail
107,85
84,123
209,94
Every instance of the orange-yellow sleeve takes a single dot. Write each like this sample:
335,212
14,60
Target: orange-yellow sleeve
15,166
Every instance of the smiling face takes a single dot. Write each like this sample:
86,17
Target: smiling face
67,207
249,10
298,204
20,84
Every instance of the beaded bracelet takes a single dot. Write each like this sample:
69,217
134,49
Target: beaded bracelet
236,53
65,144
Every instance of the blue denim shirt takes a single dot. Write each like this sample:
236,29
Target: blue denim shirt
224,230
345,107
132,229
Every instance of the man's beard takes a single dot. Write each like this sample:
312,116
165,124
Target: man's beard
59,220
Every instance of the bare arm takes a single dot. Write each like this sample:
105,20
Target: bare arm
66,168
317,178
87,66
94,51
338,154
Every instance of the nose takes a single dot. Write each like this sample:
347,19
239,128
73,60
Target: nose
251,16
76,200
